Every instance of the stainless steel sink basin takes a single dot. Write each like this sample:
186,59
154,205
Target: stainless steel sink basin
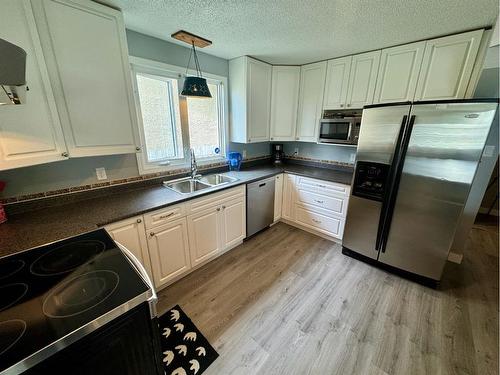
217,179
186,186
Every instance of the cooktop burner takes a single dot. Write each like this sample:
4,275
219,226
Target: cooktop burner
10,267
67,257
80,294
11,293
10,333
50,292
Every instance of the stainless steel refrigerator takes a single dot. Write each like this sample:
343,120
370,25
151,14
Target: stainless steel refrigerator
415,164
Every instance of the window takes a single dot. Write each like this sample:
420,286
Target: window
170,124
204,123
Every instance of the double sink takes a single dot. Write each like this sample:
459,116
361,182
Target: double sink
189,185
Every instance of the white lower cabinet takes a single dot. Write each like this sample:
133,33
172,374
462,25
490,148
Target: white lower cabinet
315,205
204,235
169,251
278,196
131,233
288,196
233,226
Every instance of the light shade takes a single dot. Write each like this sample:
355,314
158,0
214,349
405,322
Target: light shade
196,86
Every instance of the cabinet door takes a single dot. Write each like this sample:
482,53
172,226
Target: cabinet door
362,79
287,211
132,234
259,100
169,249
447,66
337,82
233,222
278,196
204,230
86,51
284,100
312,83
30,133
398,73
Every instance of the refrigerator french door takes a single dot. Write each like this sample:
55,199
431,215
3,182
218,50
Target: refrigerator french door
415,164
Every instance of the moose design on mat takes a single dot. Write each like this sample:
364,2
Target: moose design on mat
185,350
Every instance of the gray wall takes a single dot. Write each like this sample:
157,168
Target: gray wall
321,152
81,171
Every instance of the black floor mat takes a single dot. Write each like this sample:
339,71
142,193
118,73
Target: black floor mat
185,350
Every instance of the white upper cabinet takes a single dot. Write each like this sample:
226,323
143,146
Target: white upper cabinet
284,100
312,84
447,66
337,83
87,57
30,133
398,73
250,100
362,79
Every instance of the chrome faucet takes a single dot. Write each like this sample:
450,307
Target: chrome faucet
194,166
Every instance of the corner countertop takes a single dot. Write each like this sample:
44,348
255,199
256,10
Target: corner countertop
35,228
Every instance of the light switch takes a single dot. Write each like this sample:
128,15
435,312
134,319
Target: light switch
296,152
101,173
244,154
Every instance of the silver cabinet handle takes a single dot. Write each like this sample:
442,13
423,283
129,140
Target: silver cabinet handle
341,106
348,105
139,220
321,186
64,154
152,234
223,207
137,148
316,221
218,208
317,201
167,215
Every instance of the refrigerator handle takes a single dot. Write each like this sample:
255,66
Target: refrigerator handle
390,177
390,198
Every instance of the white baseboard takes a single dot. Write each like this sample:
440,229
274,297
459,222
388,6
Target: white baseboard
484,210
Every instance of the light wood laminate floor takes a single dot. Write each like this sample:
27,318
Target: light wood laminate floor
289,302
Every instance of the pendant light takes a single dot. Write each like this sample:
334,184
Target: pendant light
194,86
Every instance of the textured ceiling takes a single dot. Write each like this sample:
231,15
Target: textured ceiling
301,31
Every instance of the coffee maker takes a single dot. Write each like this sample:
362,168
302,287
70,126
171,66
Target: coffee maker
277,152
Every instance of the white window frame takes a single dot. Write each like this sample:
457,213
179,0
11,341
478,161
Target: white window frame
146,66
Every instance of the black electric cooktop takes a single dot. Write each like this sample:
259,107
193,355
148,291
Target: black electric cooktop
51,291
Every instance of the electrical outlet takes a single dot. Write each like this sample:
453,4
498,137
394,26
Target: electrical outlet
352,158
244,154
101,173
296,151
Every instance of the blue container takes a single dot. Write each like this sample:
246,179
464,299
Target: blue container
235,159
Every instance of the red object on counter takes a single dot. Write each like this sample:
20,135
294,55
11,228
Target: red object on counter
3,215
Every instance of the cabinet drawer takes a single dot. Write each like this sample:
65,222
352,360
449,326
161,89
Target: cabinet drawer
322,187
164,215
335,204
215,199
331,226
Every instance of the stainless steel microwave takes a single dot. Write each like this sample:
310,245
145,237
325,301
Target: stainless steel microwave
340,130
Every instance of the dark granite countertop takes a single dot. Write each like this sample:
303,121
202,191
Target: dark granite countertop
34,228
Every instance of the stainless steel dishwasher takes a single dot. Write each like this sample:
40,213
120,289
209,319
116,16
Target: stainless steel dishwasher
260,205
